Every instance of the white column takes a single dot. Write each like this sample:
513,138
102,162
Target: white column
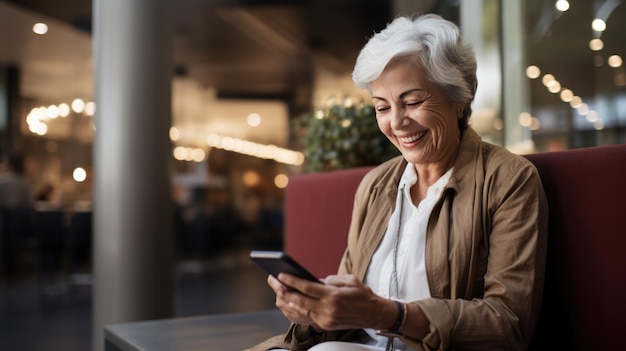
515,87
502,85
479,28
133,251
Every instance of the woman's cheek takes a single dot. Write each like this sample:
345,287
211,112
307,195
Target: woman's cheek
383,126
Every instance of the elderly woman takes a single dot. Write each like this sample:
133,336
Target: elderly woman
447,242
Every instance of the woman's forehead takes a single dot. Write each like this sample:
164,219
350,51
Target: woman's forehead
401,75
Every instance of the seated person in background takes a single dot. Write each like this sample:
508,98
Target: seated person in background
447,243
16,212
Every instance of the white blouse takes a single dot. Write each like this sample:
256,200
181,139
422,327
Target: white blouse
410,223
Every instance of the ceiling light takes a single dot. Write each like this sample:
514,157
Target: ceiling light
566,95
596,44
533,72
281,181
592,116
583,109
598,25
615,61
554,86
547,79
575,102
40,28
598,125
79,174
254,120
562,5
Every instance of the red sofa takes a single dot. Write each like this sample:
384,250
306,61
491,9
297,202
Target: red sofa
584,305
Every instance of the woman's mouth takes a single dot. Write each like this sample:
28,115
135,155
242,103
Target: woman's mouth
412,138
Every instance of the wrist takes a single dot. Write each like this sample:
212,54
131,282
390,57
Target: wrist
401,311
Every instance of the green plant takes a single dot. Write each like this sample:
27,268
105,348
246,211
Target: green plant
341,136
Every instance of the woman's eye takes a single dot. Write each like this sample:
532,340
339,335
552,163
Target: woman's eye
382,108
414,103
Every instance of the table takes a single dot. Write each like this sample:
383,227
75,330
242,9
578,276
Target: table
221,332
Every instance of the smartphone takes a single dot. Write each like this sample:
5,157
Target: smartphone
275,262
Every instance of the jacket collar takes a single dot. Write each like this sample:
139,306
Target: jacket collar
464,165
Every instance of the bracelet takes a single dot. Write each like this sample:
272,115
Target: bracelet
394,332
400,319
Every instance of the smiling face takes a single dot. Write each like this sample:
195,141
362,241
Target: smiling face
416,116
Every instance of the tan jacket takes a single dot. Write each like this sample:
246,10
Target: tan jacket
485,249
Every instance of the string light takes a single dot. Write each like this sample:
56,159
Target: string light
565,94
256,150
38,117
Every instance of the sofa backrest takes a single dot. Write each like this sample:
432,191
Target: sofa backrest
585,290
318,207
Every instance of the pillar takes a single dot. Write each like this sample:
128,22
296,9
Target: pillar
515,86
133,251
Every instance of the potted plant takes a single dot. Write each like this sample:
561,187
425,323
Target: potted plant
341,135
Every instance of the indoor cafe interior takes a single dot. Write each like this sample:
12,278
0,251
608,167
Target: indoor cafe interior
244,77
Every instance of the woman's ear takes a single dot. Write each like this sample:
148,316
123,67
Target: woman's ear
460,111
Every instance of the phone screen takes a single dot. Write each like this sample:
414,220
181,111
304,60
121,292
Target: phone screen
275,262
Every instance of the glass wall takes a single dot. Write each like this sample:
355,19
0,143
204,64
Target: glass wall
576,76
551,73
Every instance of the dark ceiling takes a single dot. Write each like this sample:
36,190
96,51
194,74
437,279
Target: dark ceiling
252,48
269,49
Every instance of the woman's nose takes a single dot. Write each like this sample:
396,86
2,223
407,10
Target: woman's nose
398,118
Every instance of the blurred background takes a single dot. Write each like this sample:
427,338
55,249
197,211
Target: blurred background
248,78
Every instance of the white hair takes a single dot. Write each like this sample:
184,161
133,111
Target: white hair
431,42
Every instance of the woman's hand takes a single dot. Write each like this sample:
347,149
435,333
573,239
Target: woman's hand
342,302
295,313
